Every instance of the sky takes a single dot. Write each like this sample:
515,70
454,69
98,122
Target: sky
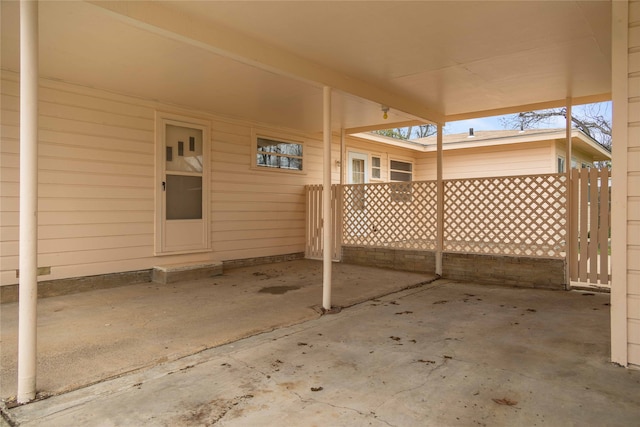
493,123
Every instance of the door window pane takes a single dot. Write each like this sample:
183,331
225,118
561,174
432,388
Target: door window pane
357,171
184,149
184,197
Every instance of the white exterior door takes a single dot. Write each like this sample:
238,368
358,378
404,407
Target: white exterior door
182,206
357,174
357,168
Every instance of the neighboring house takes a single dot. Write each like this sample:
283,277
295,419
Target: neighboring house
476,154
185,132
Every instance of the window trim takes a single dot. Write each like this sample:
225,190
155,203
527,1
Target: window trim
401,195
396,159
564,164
379,168
279,137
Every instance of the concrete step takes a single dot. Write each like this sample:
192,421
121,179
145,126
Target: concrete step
187,271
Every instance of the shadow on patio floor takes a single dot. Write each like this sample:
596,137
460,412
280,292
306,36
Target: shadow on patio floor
88,337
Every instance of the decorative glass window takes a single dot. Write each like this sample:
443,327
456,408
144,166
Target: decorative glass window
278,154
400,171
375,167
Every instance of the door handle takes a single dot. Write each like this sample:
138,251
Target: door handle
164,186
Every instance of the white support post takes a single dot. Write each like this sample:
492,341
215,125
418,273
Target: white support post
28,283
342,168
620,233
568,233
440,203
327,226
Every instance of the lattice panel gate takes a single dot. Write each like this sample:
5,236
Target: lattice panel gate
314,223
590,225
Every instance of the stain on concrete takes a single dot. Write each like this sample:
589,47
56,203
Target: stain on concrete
278,290
210,413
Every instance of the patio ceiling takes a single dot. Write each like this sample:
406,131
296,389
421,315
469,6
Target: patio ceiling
267,61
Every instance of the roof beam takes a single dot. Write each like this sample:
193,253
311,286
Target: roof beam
192,30
383,126
528,107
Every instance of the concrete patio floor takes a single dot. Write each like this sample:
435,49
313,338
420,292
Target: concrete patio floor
442,354
90,336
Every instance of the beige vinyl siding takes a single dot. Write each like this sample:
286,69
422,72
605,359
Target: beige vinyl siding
513,159
256,212
385,152
94,196
97,185
633,186
577,155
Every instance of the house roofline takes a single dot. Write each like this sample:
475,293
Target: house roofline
580,139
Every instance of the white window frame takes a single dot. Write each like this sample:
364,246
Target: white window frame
564,164
400,171
574,163
378,168
278,137
401,195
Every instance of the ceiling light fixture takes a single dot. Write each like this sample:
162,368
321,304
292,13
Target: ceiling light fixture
385,110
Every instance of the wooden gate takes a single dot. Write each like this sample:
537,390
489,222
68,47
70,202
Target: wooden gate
590,222
314,224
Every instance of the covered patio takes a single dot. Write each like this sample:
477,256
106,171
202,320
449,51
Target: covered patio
92,336
117,115
443,353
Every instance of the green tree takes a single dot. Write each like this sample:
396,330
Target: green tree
409,132
592,119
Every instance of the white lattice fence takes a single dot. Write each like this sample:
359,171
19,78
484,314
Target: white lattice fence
393,215
519,215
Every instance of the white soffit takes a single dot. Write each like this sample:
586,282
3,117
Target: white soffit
453,58
457,57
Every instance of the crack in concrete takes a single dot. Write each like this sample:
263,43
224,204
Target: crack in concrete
424,383
251,367
357,411
6,415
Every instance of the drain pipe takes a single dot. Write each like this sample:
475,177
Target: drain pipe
28,244
327,226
